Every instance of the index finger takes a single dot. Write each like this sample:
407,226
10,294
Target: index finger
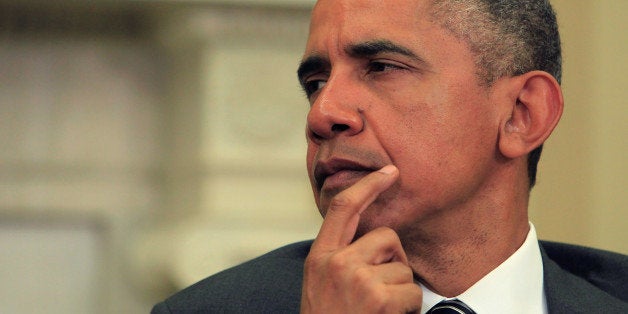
343,215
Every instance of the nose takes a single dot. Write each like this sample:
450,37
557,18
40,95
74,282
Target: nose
334,112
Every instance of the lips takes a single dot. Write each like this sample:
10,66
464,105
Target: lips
336,172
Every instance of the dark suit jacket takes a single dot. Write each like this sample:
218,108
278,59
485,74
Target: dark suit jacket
577,280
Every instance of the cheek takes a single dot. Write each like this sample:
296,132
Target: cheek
436,144
312,150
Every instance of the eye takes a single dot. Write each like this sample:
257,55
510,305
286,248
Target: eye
378,66
313,86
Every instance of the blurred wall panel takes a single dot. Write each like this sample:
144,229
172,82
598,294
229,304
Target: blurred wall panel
50,268
241,132
80,124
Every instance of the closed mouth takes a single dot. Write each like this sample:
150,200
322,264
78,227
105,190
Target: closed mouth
325,169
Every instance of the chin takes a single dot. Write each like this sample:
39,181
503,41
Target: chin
369,223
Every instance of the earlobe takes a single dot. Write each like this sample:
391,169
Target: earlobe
534,113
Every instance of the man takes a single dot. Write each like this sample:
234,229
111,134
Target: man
426,123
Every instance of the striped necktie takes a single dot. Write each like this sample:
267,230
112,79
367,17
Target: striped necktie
454,306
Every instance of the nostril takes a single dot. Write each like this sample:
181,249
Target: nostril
339,127
313,136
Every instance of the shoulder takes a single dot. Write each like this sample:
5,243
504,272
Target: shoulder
269,283
566,252
584,276
597,266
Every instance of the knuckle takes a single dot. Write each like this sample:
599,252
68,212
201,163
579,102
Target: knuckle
387,233
362,276
314,260
378,300
337,263
416,290
404,272
310,271
409,275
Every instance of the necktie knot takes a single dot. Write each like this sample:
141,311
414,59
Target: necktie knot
454,306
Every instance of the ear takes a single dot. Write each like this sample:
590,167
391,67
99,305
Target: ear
534,112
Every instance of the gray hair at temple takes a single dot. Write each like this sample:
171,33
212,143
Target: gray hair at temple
508,38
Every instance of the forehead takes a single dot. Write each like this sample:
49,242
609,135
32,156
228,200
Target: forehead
341,22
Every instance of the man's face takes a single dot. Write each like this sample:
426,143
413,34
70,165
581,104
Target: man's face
388,86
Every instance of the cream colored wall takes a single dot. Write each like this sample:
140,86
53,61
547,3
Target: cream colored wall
242,171
581,196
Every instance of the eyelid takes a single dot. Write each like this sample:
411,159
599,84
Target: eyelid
317,76
382,66
389,62
313,78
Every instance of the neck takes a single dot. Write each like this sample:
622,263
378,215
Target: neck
451,269
449,260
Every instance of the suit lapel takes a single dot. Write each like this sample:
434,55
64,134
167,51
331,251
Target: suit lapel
568,293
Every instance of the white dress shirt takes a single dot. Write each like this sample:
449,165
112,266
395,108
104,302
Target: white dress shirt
515,286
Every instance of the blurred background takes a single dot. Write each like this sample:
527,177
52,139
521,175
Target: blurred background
147,144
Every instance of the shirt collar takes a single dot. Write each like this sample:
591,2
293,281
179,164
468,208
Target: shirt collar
515,286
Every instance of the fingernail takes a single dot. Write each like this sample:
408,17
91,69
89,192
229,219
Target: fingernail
388,169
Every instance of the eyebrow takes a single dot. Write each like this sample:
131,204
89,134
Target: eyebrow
316,63
373,48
